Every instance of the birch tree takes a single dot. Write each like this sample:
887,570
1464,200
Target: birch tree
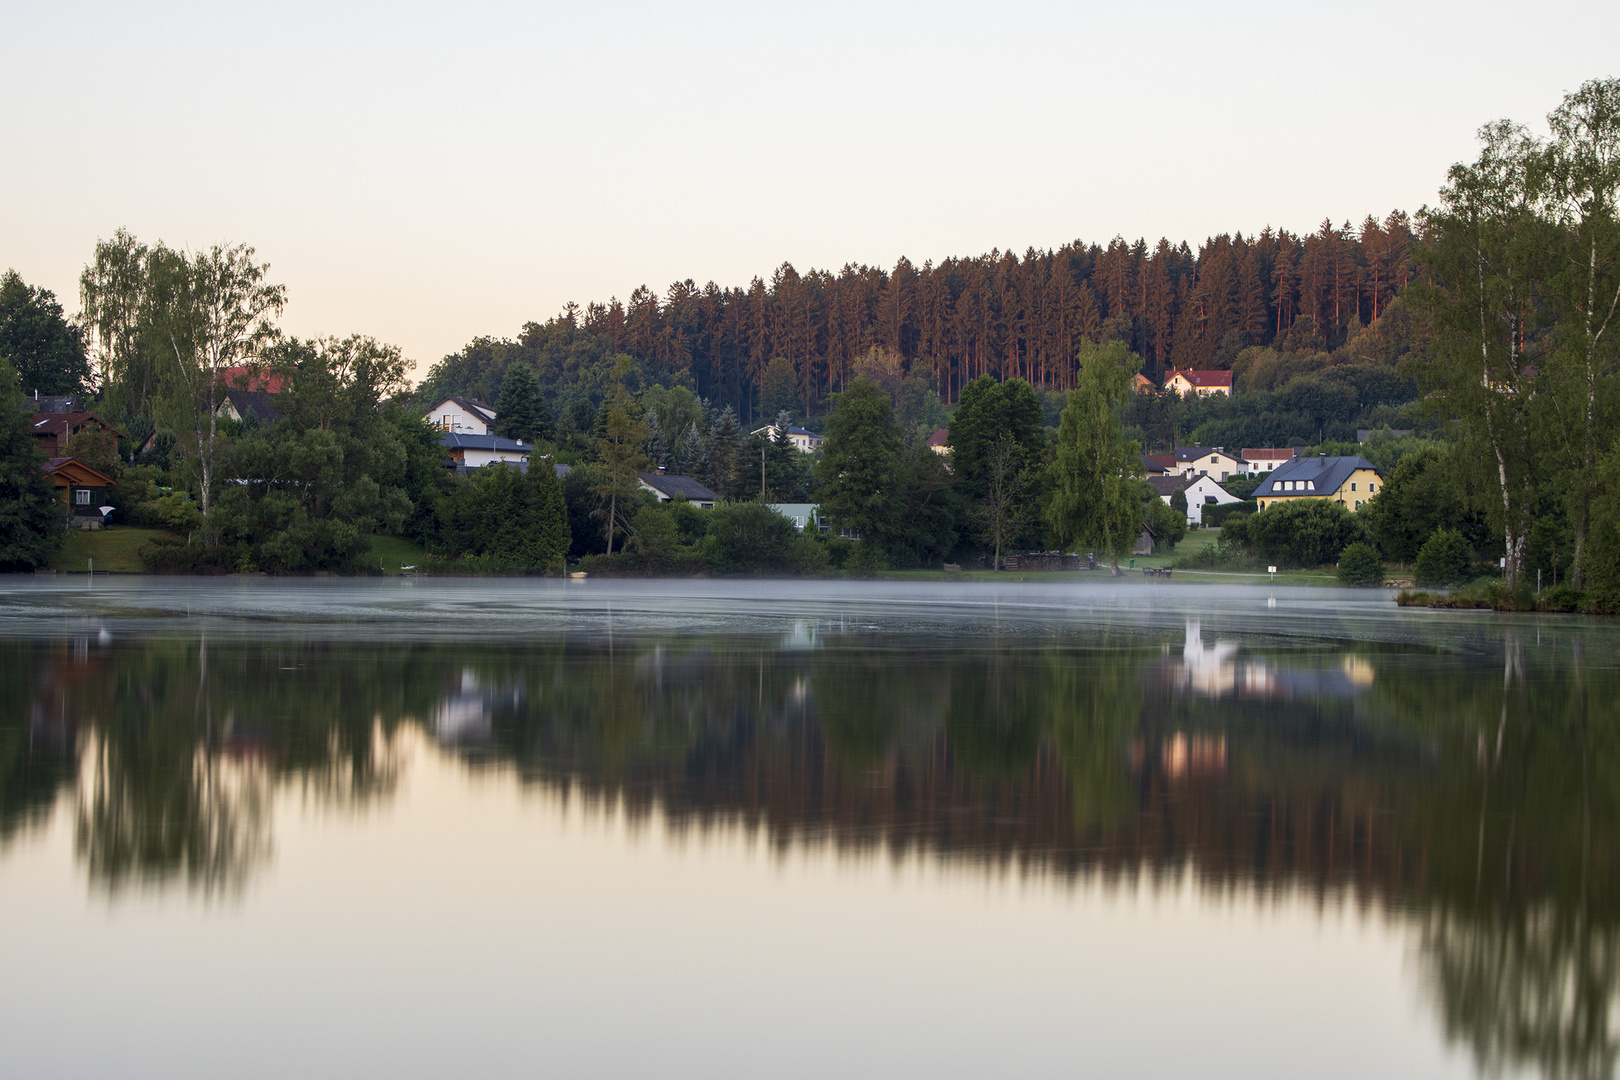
209,312
1486,255
1094,496
1583,180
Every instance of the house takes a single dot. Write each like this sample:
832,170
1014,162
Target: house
1142,384
668,487
1201,383
804,440
801,514
940,441
82,488
462,416
1145,542
53,430
1159,464
1348,481
1263,459
476,451
1208,461
1201,491
240,404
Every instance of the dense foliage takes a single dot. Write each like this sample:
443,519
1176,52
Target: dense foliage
31,518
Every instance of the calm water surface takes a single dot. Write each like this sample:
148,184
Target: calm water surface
524,828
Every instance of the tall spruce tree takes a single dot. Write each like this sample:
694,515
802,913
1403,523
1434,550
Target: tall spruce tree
521,412
858,472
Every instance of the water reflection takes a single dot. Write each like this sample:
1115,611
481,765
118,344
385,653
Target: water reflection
1473,794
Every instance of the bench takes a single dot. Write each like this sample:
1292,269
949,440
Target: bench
1155,571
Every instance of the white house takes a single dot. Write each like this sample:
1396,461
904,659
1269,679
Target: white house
801,514
462,416
1201,491
1199,383
476,451
1264,459
803,439
1208,461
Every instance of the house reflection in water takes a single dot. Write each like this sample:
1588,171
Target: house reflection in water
463,715
1217,669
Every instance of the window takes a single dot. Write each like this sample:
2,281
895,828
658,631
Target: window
81,496
1310,485
1352,485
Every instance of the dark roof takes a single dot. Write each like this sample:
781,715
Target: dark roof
1158,463
455,440
258,402
472,405
1193,453
54,423
1269,453
942,437
1169,485
57,403
682,486
1326,474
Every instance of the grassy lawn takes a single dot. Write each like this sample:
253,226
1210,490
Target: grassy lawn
395,552
1195,542
114,549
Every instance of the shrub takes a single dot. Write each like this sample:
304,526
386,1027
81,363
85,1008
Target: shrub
1561,598
1444,559
1309,532
750,538
1361,564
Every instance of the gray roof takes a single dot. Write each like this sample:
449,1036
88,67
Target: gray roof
59,403
260,404
1325,474
678,487
455,440
1169,485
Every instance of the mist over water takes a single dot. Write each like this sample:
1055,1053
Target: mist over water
719,828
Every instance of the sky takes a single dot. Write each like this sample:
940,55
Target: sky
431,173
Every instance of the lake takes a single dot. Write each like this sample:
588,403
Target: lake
263,828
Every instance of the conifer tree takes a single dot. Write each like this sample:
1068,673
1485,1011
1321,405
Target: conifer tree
521,412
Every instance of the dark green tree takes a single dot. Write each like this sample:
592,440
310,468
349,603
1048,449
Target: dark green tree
31,518
858,476
522,412
1444,559
45,350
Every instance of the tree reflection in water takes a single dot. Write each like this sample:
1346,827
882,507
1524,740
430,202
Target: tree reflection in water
1472,794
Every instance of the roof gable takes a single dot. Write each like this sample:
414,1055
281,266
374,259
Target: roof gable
76,471
1325,475
678,486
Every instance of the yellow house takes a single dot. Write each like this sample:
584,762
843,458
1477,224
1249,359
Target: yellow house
1348,481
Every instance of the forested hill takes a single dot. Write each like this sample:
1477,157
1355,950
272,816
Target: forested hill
797,337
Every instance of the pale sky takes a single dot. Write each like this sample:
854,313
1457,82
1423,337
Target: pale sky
431,173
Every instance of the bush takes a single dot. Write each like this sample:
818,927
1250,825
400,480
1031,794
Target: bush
1445,559
1561,598
1360,564
750,538
164,555
1309,532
